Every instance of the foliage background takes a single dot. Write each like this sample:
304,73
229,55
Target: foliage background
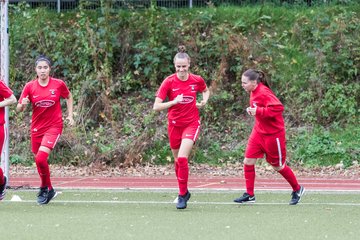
114,61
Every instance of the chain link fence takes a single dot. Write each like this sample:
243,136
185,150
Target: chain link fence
65,5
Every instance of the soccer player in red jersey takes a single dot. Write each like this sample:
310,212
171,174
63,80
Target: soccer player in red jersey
181,89
44,94
267,136
6,98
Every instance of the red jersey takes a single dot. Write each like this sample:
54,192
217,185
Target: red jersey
5,92
186,111
268,118
45,102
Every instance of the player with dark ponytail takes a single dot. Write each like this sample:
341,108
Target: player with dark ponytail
44,94
267,136
181,89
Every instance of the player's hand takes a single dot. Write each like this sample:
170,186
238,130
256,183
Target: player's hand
70,121
251,111
179,98
200,104
25,100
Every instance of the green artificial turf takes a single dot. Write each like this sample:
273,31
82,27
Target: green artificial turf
152,215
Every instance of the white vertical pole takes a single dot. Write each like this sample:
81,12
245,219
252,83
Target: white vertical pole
190,3
4,62
58,6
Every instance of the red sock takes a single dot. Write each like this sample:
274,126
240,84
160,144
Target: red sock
176,168
249,172
183,175
1,177
43,169
289,175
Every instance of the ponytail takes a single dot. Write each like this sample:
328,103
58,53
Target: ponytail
256,75
262,78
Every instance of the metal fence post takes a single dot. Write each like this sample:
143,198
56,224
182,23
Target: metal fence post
58,6
4,76
190,3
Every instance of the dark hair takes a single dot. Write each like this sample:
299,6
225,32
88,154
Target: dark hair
181,53
256,75
43,58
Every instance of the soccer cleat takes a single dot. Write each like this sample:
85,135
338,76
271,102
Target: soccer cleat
182,200
51,195
296,196
245,198
3,189
42,197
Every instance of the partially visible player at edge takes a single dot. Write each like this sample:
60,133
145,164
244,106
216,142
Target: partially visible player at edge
6,98
267,136
44,94
183,116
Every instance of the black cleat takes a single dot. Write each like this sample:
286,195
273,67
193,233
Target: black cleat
51,195
182,201
3,189
245,198
42,197
296,196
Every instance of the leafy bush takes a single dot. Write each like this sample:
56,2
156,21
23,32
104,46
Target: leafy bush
319,147
113,63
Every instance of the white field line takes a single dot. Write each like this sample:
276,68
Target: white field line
210,190
192,190
191,203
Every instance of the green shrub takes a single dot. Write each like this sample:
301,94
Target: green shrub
319,147
113,63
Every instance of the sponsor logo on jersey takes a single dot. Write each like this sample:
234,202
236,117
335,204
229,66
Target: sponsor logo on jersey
45,103
187,99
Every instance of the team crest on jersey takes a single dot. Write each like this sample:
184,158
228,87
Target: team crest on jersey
52,91
45,103
187,99
192,87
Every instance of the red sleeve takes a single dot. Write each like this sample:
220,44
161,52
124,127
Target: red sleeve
5,91
270,111
25,93
162,92
64,90
202,85
273,106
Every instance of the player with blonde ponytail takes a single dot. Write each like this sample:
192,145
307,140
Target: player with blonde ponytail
181,89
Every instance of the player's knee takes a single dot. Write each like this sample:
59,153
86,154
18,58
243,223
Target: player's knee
41,159
278,168
249,161
182,161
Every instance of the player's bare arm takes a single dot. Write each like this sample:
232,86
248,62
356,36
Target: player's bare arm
70,104
159,105
8,101
21,106
205,98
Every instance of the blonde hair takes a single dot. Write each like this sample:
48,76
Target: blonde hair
182,53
